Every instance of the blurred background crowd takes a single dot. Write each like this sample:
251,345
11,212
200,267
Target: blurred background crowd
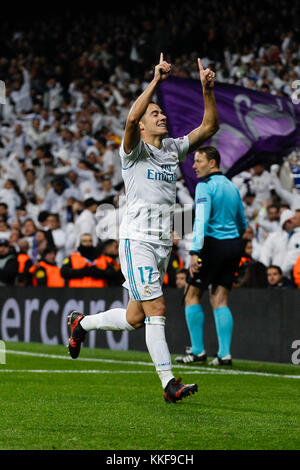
71,79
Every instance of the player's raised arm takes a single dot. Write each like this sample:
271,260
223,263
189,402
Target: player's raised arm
132,130
210,122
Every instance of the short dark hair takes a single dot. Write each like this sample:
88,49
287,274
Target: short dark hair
108,242
211,154
273,266
182,271
43,216
244,243
29,170
54,214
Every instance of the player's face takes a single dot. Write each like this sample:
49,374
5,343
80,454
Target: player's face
154,121
202,165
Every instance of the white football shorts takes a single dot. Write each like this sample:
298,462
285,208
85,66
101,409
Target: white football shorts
144,266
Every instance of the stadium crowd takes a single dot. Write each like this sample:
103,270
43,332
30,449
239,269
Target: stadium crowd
70,82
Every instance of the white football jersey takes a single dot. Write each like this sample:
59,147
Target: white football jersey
149,176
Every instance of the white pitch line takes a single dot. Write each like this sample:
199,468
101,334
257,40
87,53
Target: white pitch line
59,371
244,372
188,370
87,359
82,359
194,372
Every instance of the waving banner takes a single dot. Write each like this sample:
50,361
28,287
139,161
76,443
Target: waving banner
254,126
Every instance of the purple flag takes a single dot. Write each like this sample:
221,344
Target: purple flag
254,126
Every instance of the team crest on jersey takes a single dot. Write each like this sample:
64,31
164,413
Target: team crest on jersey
147,290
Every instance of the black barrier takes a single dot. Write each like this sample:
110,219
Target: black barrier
266,322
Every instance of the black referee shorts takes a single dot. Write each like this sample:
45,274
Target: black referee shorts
220,260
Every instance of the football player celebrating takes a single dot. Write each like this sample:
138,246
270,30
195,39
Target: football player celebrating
149,161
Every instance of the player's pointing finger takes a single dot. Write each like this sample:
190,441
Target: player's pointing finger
200,65
161,59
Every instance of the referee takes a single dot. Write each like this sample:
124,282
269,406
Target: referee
215,253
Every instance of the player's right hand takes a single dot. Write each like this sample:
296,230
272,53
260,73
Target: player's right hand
195,265
162,70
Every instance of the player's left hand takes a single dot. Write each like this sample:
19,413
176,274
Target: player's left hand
195,265
207,76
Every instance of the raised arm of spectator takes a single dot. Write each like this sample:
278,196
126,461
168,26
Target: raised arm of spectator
263,221
284,194
210,121
132,131
62,170
26,76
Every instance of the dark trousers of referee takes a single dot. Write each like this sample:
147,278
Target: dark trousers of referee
220,260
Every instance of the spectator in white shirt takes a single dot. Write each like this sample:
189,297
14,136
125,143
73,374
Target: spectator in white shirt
17,141
53,97
106,193
292,198
293,246
21,92
273,250
32,188
73,189
251,207
93,157
29,230
267,220
7,111
107,157
34,134
58,235
86,222
260,182
56,198
10,197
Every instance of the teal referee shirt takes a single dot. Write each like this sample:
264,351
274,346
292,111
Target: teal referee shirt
219,211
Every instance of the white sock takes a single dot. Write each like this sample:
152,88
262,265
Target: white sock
114,319
158,348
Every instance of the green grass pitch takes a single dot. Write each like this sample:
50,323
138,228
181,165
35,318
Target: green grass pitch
112,400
